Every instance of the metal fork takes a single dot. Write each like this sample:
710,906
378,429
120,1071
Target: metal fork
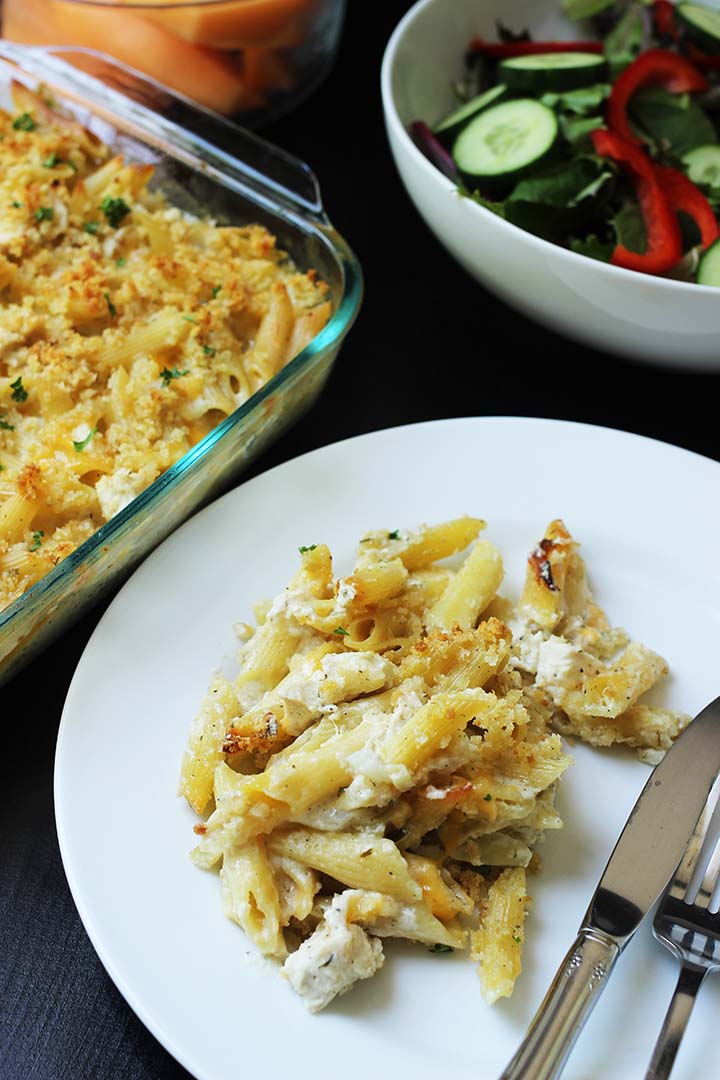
691,932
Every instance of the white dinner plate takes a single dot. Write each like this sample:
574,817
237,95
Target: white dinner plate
648,517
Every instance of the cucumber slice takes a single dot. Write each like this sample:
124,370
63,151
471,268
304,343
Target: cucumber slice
505,140
552,71
703,165
709,266
458,118
702,24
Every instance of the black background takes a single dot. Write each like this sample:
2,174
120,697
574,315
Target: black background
424,338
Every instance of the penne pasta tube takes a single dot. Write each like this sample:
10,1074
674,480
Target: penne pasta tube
205,744
470,591
497,946
307,326
250,896
268,352
95,184
433,727
433,542
547,571
166,330
363,861
16,517
284,790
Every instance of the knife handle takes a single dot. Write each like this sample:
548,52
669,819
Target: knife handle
574,991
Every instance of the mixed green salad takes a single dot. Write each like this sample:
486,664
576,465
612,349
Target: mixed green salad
608,145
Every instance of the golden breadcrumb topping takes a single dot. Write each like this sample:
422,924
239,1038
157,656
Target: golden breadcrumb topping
128,330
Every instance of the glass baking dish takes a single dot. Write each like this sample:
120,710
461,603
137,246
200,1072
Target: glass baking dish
257,183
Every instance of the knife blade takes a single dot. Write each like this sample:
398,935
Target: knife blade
641,864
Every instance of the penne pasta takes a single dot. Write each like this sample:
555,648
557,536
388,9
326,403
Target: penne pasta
267,354
168,329
250,896
131,328
470,591
497,946
433,727
16,517
385,762
363,861
205,745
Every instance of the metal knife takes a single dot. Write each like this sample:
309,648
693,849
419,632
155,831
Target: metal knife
643,861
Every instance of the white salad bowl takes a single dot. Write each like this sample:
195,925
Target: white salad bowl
621,311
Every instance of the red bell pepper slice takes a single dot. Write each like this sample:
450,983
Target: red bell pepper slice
700,59
664,242
505,50
663,14
683,195
657,67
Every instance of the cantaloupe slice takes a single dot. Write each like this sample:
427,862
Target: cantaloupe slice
202,74
265,70
236,23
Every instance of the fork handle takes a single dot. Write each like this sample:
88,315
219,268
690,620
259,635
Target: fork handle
579,981
668,1042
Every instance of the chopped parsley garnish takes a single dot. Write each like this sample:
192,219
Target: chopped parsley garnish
114,210
394,535
216,290
80,446
24,122
517,940
37,540
17,205
44,213
4,426
440,948
488,797
52,161
341,631
209,351
91,227
310,547
111,307
189,318
168,374
19,393
121,261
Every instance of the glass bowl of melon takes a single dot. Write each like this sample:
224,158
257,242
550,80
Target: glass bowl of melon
247,59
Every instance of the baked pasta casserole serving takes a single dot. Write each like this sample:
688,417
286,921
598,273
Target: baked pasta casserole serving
385,762
128,330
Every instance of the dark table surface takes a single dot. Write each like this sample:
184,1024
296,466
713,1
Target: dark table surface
60,1015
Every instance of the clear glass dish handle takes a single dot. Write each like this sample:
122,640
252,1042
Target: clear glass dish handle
579,981
206,139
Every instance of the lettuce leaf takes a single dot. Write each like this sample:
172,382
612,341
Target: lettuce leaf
585,9
626,39
581,102
675,122
564,185
629,227
575,129
593,247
